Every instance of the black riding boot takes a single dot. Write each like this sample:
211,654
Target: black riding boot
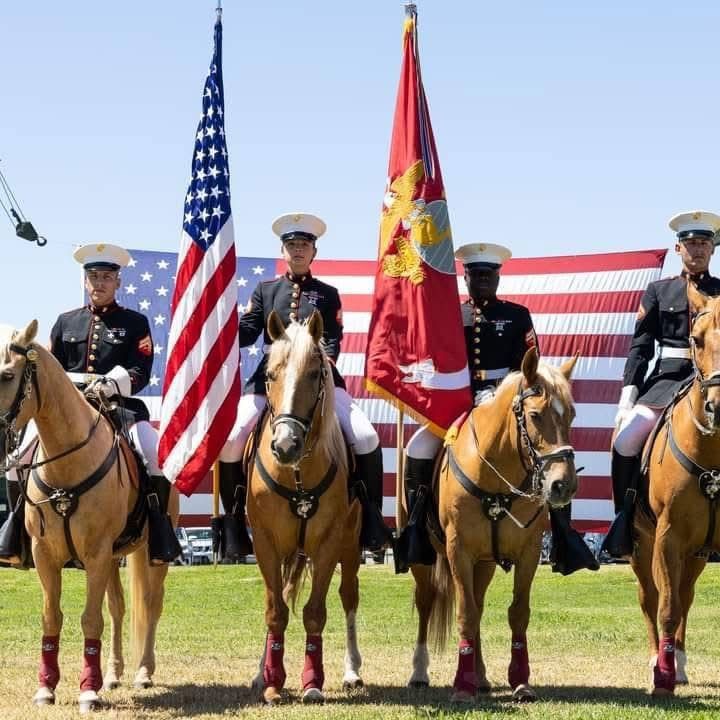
413,545
230,535
163,545
374,535
619,540
569,551
11,532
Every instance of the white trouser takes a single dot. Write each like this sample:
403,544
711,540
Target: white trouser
424,444
634,430
358,430
143,435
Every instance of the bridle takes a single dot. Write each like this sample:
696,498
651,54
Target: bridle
28,382
713,380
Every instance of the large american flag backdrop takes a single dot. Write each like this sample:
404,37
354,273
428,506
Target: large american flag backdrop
580,303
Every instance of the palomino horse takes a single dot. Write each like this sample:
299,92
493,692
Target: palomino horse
298,506
89,491
676,518
512,456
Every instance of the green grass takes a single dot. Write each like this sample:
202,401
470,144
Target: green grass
586,641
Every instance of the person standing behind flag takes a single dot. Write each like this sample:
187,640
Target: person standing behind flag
498,333
663,317
295,296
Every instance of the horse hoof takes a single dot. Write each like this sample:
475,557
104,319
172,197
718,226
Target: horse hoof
142,684
419,684
111,684
313,696
353,683
89,701
44,696
682,681
661,692
524,693
462,697
484,688
271,696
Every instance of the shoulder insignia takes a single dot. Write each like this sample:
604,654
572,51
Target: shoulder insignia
145,346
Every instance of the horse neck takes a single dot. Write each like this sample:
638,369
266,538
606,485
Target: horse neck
692,441
64,418
495,430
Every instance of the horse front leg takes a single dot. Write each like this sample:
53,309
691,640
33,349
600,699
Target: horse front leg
642,563
350,598
116,607
425,594
324,561
50,576
519,619
693,568
465,685
667,573
484,572
98,569
276,618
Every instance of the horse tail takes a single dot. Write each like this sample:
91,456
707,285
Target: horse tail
442,614
140,601
294,571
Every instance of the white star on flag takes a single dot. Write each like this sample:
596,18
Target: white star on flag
258,270
130,289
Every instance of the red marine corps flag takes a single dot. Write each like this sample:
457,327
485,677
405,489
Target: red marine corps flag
416,355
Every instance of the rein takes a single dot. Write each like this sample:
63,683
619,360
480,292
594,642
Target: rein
497,506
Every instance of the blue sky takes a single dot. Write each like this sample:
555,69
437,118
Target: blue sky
561,126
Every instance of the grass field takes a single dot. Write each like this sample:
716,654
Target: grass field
586,641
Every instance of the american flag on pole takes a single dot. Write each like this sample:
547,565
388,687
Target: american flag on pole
584,303
201,383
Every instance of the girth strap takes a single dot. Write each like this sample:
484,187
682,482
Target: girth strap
496,506
65,501
708,483
303,503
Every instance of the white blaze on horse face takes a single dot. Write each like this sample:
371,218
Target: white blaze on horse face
558,406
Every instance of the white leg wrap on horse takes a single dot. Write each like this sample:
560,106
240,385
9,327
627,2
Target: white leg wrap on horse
424,444
421,663
353,659
358,430
634,430
145,440
248,413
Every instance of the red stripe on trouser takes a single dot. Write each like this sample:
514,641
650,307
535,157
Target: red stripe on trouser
664,670
49,673
313,675
91,677
466,677
519,668
274,670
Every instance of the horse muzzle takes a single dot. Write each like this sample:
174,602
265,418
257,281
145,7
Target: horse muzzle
560,477
286,446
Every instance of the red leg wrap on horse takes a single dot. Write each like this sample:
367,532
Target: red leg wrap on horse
519,669
466,677
313,675
664,670
274,670
91,677
49,673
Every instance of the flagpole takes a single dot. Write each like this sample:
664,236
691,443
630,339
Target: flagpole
400,514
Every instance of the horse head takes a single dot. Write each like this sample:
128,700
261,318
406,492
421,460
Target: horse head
17,367
297,377
544,411
705,348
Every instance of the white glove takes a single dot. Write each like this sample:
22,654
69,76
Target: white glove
484,395
102,387
628,396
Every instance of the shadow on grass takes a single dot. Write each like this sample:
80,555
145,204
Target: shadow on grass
190,700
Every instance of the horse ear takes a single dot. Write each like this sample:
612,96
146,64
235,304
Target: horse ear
567,367
530,365
27,334
698,300
275,326
315,326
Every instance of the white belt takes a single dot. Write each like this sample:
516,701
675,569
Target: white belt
496,374
679,353
82,378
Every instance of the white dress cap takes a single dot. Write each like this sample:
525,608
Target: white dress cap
298,223
99,254
483,254
696,223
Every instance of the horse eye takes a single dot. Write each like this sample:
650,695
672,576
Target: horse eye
314,374
7,375
271,376
534,415
697,340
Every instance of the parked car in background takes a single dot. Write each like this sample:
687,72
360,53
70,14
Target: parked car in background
186,557
200,539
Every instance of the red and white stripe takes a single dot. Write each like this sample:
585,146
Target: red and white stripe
583,303
202,380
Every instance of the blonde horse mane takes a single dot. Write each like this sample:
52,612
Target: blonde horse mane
297,346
